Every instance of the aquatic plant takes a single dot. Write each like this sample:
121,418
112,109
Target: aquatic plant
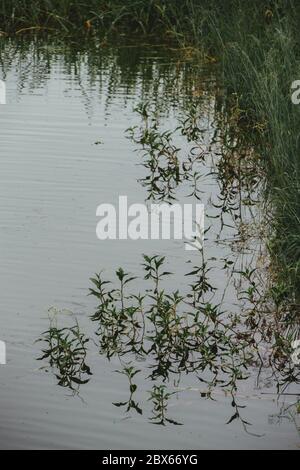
130,372
172,335
65,350
159,397
188,334
165,167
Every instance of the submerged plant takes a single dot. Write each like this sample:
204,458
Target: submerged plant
160,158
65,350
130,372
159,397
180,334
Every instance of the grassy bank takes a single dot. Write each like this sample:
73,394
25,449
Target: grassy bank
260,61
151,17
256,44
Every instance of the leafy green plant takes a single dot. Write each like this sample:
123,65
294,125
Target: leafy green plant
65,350
159,397
130,372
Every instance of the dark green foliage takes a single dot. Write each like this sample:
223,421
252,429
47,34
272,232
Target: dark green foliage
66,353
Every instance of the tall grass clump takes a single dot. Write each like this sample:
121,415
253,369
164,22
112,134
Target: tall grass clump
260,61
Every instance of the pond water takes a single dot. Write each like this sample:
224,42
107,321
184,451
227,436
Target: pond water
64,151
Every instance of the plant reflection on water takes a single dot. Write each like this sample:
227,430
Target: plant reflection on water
165,336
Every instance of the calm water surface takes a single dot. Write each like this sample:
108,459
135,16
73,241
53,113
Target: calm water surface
52,178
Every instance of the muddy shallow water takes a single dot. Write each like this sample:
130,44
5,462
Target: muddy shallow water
53,176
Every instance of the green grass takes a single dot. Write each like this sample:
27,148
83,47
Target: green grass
260,61
143,16
256,44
